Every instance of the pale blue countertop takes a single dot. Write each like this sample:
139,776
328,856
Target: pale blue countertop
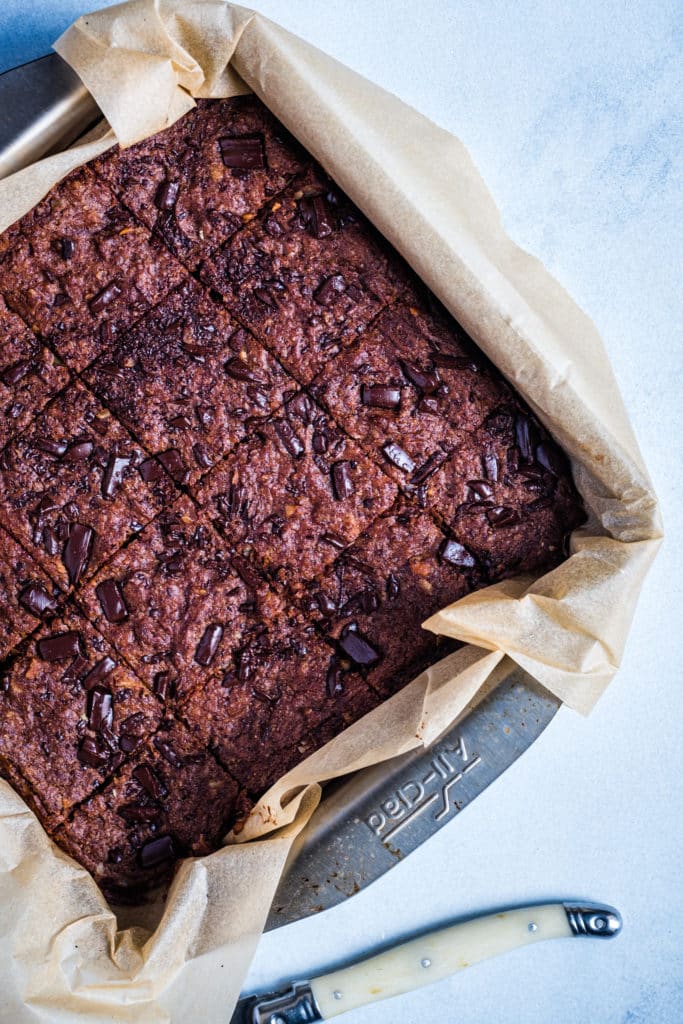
570,111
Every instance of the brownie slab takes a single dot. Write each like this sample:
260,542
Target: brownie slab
79,267
296,493
174,599
188,379
373,600
268,694
29,374
307,276
69,715
75,486
200,180
27,594
171,799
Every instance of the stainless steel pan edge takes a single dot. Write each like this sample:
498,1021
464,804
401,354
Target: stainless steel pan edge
370,821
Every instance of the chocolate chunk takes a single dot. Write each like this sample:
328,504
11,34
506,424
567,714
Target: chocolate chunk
157,851
393,586
342,481
380,396
329,290
246,572
50,447
208,645
77,551
202,456
150,470
480,490
358,648
150,782
168,753
134,813
100,709
289,439
244,153
36,600
106,295
11,375
398,457
78,451
489,464
502,516
317,215
92,753
167,195
549,456
172,462
111,601
114,473
239,370
454,553
66,247
104,667
427,469
523,430
163,685
59,646
333,683
428,405
426,382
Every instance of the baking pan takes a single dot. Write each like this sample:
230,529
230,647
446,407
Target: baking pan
367,822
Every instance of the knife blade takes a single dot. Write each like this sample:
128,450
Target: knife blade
424,960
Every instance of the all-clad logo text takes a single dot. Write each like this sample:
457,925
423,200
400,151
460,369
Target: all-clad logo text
448,765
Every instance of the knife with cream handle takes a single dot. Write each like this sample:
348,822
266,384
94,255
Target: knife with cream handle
424,960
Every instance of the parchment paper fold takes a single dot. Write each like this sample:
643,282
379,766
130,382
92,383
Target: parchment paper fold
63,952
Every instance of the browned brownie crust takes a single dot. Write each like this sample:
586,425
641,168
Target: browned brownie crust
78,267
27,595
295,493
171,799
75,486
29,374
308,276
175,599
202,179
70,714
187,378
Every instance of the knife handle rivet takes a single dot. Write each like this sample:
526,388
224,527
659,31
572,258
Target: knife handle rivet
532,926
337,994
426,962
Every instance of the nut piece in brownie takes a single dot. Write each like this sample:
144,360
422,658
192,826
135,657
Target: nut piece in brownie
277,685
74,486
29,375
372,601
308,276
174,599
27,595
171,799
296,493
70,713
187,379
79,267
507,495
200,180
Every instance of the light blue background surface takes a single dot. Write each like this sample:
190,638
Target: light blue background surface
572,112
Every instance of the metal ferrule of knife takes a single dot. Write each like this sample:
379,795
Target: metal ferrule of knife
427,959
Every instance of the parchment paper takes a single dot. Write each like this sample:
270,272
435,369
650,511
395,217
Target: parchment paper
63,952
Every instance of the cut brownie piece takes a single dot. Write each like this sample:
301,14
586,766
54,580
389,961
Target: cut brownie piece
277,684
69,715
78,267
75,486
27,595
188,378
508,496
29,375
308,276
173,599
200,180
296,493
170,800
379,591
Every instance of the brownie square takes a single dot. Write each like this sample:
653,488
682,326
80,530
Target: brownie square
75,486
277,684
296,492
27,595
188,379
69,715
173,599
308,276
372,602
199,181
29,375
508,496
170,800
79,267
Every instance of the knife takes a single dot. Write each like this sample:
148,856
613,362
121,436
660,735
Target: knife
425,960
